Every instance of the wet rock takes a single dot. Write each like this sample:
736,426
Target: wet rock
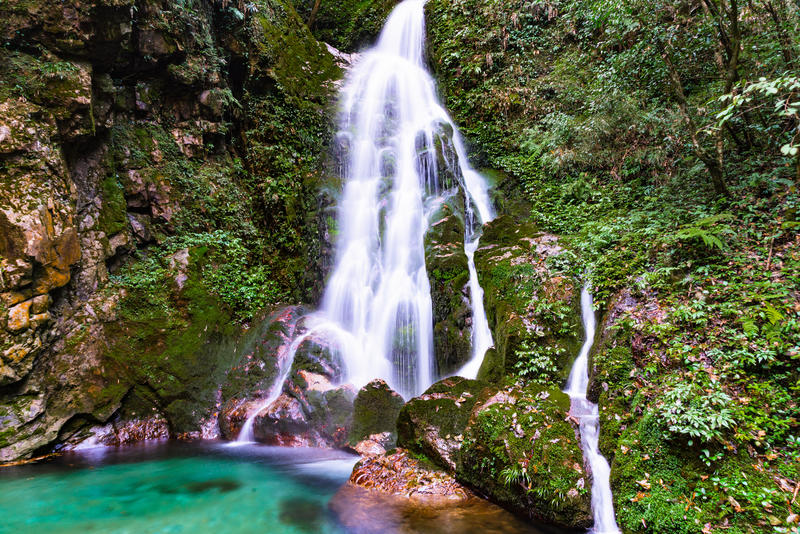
375,412
433,424
522,452
400,474
264,353
375,444
528,305
446,263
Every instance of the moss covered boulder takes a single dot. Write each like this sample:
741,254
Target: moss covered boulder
375,411
533,310
446,264
433,424
520,450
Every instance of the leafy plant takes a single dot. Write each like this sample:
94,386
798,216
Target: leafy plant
690,411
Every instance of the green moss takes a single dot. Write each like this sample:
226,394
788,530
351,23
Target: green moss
113,217
173,353
433,423
375,410
523,453
349,24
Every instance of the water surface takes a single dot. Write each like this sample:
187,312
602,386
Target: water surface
175,488
211,487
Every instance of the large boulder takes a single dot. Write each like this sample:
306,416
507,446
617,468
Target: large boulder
313,409
521,450
319,416
433,424
375,412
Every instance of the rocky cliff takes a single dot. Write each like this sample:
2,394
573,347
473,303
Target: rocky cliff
161,168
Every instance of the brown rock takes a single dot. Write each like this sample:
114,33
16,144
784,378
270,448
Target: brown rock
41,304
19,316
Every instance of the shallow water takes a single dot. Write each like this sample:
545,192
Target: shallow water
176,488
208,487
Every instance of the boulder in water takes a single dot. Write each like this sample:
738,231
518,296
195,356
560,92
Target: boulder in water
433,424
375,412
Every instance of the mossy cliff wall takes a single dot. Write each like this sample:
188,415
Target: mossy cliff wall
160,175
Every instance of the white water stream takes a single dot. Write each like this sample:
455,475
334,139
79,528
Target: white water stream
378,302
588,415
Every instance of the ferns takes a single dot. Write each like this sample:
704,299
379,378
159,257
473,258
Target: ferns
707,230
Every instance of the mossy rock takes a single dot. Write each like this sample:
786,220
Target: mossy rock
520,451
433,424
446,263
531,309
375,411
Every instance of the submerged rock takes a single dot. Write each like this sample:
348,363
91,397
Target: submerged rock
397,493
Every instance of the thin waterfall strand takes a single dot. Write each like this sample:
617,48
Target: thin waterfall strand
589,416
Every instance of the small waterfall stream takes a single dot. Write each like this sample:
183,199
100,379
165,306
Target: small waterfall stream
588,415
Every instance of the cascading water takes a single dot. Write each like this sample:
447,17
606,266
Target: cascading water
588,415
377,303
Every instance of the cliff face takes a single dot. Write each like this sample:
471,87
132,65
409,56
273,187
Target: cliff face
160,169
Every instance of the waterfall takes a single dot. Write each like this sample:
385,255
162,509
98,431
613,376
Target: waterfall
246,434
378,296
588,415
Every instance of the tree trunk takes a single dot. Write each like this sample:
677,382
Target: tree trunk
313,16
713,164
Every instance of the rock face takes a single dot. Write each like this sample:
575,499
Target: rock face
533,311
265,353
143,215
375,413
311,409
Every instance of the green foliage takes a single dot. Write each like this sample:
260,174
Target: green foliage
691,411
576,102
225,272
706,230
537,362
348,25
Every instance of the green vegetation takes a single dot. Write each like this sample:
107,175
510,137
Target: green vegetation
348,25
659,141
